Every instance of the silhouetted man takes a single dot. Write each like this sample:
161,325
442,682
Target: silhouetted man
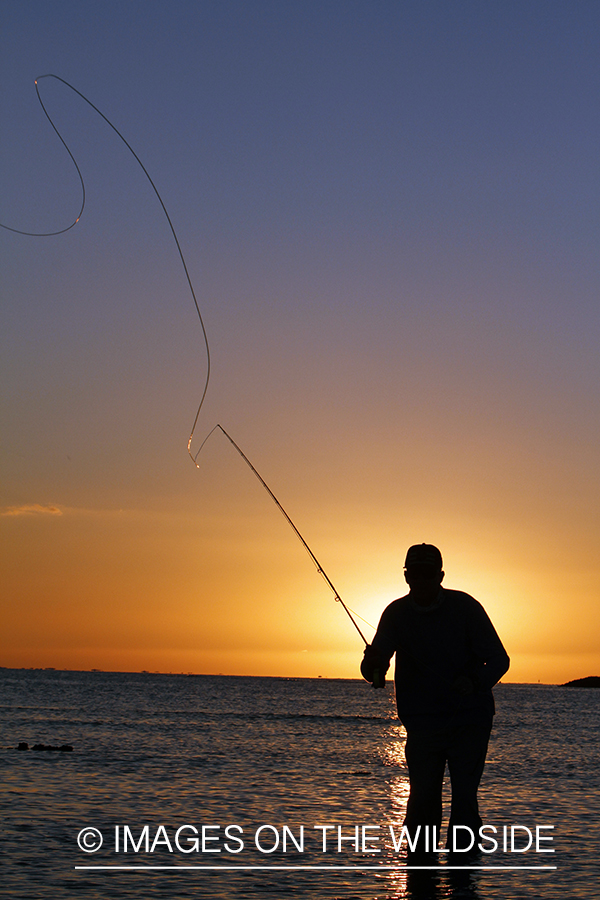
448,658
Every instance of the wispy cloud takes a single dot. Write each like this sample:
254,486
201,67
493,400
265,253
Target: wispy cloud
31,509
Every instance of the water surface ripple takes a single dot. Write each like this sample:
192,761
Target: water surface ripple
168,750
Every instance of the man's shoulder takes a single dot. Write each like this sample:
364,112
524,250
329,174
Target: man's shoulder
395,610
457,599
464,604
460,597
397,605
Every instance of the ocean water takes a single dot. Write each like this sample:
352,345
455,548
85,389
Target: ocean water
246,764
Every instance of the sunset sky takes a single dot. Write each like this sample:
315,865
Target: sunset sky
391,215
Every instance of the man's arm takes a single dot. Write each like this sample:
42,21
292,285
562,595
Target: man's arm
374,666
488,647
377,656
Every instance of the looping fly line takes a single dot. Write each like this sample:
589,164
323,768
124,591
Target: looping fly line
194,457
160,200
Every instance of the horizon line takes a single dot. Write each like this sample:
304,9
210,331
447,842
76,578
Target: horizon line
238,675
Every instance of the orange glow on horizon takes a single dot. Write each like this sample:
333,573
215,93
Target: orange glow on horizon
157,593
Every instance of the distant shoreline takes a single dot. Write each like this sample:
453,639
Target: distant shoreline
591,681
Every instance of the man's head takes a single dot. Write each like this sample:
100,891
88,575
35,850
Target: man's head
423,572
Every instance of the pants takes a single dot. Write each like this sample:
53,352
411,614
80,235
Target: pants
464,748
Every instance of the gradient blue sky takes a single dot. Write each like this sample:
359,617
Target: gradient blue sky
390,213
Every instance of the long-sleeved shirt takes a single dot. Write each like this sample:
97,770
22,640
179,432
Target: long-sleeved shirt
434,645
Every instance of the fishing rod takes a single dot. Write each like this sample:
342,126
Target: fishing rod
194,457
288,519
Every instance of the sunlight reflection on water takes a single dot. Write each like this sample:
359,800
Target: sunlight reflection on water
172,750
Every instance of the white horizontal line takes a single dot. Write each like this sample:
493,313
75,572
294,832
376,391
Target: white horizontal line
314,868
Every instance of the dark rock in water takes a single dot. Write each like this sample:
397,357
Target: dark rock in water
23,745
592,681
64,748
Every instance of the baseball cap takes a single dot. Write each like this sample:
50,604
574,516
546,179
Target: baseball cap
423,555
